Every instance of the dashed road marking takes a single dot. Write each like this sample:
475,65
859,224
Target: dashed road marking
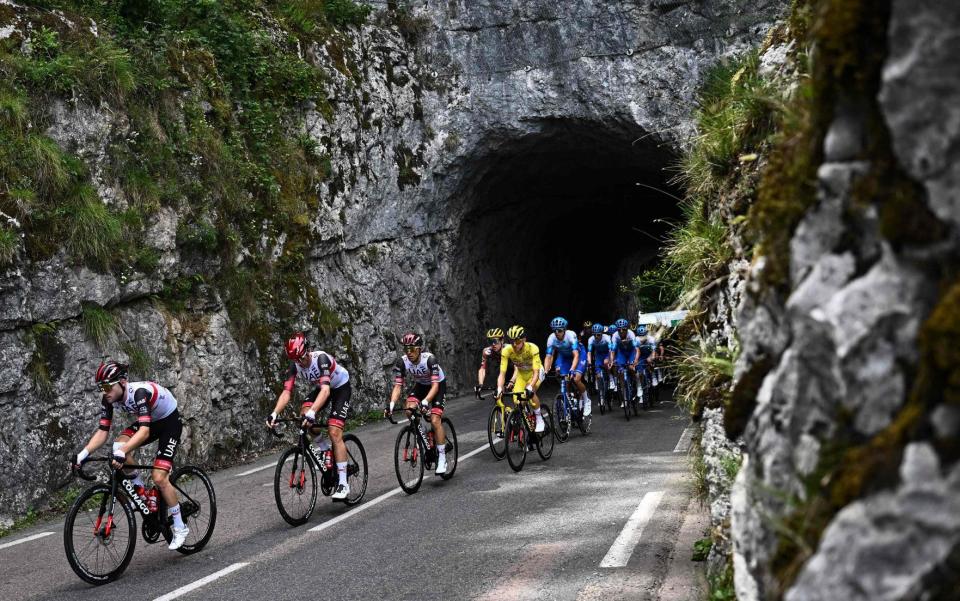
183,590
25,539
683,445
622,548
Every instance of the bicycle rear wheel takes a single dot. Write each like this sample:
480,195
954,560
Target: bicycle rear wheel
516,441
357,471
496,431
451,448
408,457
295,486
96,555
545,440
198,507
562,419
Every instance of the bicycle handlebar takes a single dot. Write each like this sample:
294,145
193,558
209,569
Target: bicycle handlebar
417,409
322,422
82,473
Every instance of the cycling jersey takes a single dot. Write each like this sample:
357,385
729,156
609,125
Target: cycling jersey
647,345
623,345
527,360
491,355
565,363
322,371
425,371
599,347
147,400
564,346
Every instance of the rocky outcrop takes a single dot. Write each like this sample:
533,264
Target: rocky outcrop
451,123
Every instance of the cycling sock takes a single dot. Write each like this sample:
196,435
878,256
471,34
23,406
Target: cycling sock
537,412
342,472
174,512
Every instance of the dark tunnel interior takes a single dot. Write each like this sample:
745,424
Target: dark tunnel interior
560,220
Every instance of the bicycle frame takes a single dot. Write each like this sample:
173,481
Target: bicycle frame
416,418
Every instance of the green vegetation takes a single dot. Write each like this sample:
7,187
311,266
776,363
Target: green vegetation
720,584
701,549
58,504
138,358
98,324
704,372
9,241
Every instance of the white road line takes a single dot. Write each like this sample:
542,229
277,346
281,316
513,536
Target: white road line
622,548
255,470
683,445
26,539
183,590
381,498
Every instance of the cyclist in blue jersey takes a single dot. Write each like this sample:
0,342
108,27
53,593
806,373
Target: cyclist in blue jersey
598,350
571,357
646,352
623,350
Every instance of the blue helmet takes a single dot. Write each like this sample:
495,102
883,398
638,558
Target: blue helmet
641,330
622,323
597,328
558,323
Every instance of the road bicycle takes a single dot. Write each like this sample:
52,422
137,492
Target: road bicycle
522,435
497,429
295,480
416,450
568,411
626,391
602,388
100,530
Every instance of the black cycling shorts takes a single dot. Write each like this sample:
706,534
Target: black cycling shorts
420,391
338,402
167,431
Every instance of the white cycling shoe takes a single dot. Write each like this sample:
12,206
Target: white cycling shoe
541,425
442,465
341,493
179,537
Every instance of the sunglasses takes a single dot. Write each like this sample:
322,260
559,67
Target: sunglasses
559,331
407,349
494,340
106,387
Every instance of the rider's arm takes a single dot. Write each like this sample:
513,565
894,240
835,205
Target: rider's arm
482,373
434,366
504,361
537,370
398,372
288,384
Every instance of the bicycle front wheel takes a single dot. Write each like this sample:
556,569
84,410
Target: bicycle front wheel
295,486
99,545
496,432
408,456
357,470
516,441
198,507
562,419
622,394
451,448
545,440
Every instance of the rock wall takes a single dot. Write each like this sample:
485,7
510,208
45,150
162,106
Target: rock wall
421,108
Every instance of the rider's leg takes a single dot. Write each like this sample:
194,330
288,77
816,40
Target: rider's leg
339,406
119,442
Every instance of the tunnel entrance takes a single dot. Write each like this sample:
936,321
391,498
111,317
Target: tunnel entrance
556,222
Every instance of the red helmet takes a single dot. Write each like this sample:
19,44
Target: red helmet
297,346
411,339
110,372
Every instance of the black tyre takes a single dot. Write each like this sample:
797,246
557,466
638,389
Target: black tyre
601,389
562,419
497,431
586,422
516,441
545,440
408,457
295,486
452,449
94,554
357,469
198,507
622,393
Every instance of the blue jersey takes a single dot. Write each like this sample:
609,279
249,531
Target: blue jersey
647,345
625,345
565,346
599,347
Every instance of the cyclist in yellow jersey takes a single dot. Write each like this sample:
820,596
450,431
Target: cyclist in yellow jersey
525,357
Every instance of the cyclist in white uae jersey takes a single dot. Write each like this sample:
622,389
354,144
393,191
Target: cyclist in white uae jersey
429,388
331,383
157,420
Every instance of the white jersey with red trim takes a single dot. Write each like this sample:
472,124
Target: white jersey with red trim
160,401
425,371
323,369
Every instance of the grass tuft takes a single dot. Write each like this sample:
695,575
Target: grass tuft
92,231
99,324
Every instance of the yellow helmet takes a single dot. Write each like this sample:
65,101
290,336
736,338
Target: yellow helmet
494,333
516,332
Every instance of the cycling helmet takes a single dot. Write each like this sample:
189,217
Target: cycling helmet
297,346
558,323
587,324
494,333
596,328
622,323
110,372
411,339
641,330
516,332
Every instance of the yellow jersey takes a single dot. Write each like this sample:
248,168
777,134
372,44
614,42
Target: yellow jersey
525,361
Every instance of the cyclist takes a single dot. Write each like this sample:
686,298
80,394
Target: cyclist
646,345
525,357
598,351
429,388
157,420
571,357
331,387
491,353
585,330
623,349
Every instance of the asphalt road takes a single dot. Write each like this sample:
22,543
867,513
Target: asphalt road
559,529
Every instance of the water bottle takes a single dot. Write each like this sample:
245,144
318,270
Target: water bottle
430,439
151,496
327,459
